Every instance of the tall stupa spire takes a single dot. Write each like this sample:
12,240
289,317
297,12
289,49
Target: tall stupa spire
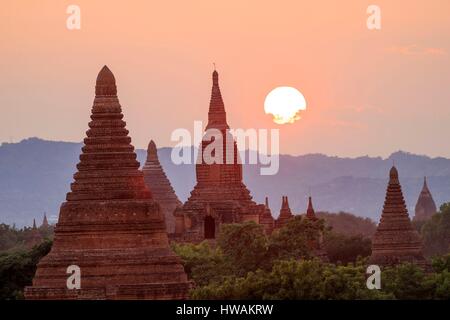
395,240
219,184
310,214
217,117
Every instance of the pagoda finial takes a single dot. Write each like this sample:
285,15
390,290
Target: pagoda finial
393,175
217,117
152,151
106,83
267,202
34,224
215,77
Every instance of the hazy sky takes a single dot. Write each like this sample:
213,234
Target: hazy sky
368,92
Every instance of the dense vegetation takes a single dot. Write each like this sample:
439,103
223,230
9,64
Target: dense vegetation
348,224
17,269
244,263
12,238
436,233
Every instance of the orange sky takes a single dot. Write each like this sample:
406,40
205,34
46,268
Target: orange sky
368,92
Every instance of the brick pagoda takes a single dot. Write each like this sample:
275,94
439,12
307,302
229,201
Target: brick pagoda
285,213
425,206
395,240
109,226
266,219
316,244
220,195
156,180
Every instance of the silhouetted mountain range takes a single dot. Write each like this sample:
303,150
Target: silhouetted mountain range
35,176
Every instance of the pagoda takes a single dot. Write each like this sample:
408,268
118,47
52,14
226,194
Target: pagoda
109,226
316,245
34,237
266,219
285,213
219,196
45,223
310,213
395,240
156,180
425,206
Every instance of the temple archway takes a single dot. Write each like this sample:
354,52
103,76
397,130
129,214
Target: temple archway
209,227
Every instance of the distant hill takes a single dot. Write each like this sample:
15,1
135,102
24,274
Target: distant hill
35,176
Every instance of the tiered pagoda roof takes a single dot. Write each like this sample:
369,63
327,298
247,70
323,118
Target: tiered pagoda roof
109,226
395,240
160,187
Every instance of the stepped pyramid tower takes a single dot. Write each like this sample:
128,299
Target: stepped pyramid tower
220,195
285,213
266,219
109,226
425,206
395,240
156,180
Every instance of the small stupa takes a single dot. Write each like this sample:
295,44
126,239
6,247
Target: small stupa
425,206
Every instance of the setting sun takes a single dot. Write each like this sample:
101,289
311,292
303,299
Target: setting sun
284,104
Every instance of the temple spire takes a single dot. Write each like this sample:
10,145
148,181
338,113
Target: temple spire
285,212
152,152
267,202
34,224
395,239
106,83
45,221
310,214
425,206
217,117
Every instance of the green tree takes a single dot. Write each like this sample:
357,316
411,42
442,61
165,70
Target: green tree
294,280
407,282
244,245
293,240
17,270
341,248
436,232
202,263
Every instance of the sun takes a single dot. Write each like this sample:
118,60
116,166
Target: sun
284,104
